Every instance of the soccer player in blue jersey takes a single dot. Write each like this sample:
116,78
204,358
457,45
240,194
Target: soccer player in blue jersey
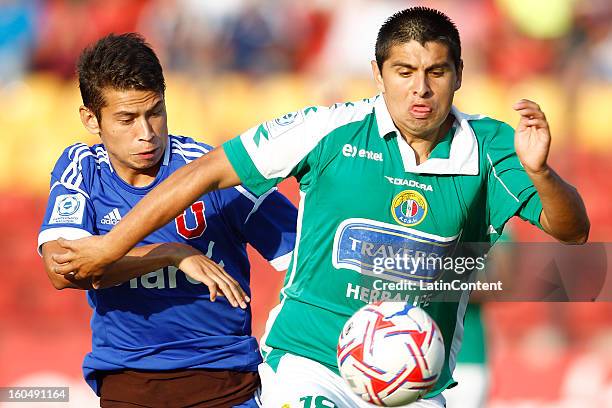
161,337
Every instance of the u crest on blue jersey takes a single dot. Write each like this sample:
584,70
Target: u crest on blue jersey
409,208
196,231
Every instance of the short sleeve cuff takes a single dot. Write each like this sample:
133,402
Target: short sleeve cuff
53,234
531,210
245,168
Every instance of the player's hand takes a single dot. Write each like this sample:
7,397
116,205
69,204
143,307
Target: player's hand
532,137
203,269
83,258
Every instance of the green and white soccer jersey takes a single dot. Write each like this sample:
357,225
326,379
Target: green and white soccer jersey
363,196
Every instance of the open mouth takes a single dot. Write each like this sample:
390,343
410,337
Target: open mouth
420,111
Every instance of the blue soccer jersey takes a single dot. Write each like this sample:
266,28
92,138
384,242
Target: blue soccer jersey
164,320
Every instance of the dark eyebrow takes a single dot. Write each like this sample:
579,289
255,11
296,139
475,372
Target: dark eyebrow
128,113
403,65
157,105
124,113
441,65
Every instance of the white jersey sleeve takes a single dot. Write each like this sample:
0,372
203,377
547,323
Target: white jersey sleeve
287,146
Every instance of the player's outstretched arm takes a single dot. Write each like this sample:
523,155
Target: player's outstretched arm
563,212
87,257
148,258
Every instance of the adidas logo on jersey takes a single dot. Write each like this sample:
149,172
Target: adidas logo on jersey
112,218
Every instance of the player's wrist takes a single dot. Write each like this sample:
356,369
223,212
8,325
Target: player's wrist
177,252
543,171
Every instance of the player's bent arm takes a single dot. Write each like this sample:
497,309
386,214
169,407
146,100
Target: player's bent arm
148,258
564,215
137,262
60,282
88,256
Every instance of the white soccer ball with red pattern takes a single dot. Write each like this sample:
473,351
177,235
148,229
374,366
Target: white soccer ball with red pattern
390,353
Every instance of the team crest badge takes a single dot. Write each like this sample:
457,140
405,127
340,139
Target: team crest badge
287,119
68,209
68,205
409,208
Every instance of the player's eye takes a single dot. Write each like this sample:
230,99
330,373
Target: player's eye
405,74
437,73
126,121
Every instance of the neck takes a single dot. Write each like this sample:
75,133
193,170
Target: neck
135,177
423,144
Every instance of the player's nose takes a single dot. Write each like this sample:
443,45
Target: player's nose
146,132
420,86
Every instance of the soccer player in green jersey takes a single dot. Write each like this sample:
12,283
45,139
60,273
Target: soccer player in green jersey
402,172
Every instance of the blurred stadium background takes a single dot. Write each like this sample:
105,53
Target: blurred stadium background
230,64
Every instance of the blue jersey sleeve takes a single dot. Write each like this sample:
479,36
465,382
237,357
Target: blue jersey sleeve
267,222
69,212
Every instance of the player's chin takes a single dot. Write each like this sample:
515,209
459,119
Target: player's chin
424,126
144,163
419,127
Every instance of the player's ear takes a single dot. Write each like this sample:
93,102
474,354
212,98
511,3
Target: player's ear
89,120
378,77
459,75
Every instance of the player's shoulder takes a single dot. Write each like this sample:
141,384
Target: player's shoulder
341,113
185,149
356,108
486,128
324,125
80,157
79,165
495,138
75,152
321,116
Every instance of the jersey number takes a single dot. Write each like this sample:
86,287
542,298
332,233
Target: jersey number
183,230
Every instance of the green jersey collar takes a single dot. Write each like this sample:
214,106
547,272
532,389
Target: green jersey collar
383,118
460,152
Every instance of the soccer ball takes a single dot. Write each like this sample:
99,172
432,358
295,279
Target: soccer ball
390,353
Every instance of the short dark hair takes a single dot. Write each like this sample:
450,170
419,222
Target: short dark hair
122,62
421,24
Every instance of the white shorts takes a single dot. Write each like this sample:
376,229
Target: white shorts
303,383
472,389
